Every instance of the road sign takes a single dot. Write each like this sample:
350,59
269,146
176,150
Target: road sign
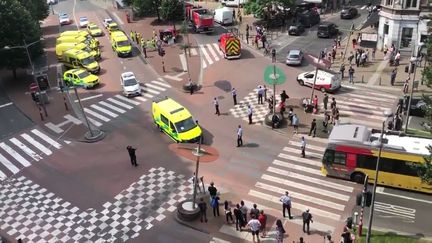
274,75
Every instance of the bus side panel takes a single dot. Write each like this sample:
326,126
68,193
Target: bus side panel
351,161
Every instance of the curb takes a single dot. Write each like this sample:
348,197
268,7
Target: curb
428,239
184,223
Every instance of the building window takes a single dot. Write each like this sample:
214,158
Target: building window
386,29
410,3
406,37
389,2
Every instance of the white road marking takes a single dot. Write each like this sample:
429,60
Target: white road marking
395,210
35,143
359,110
46,138
368,97
8,165
193,52
216,47
120,103
207,56
14,154
359,104
2,176
380,190
215,56
26,149
115,108
154,86
147,90
90,97
141,98
161,83
7,104
96,123
321,140
133,102
100,117
301,160
292,166
148,95
298,151
183,62
96,107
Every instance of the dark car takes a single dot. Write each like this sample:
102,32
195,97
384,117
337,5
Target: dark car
308,18
418,105
296,29
348,13
327,30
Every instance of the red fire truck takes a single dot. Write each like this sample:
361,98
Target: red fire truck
201,19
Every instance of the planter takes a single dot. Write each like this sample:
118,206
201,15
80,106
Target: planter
187,87
186,212
274,122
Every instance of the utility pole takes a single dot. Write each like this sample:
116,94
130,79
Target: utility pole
412,69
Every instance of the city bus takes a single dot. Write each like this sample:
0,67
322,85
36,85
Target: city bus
350,155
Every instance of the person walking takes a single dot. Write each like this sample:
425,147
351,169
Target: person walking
342,70
280,231
228,213
333,103
393,76
247,34
315,104
131,150
234,95
249,113
212,190
144,48
203,210
132,36
214,203
216,104
351,75
260,93
295,123
303,147
307,219
350,58
273,54
262,218
326,121
255,226
239,136
406,86
254,212
313,128
325,101
286,204
336,117
284,96
239,220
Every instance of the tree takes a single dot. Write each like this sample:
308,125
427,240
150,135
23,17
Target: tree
147,7
20,27
260,7
172,10
38,9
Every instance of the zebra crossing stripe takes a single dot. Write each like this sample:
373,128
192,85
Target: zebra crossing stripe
359,103
301,196
26,149
133,102
46,138
314,180
215,56
216,47
2,175
207,56
141,98
96,107
295,205
120,103
354,108
14,154
304,187
368,97
8,165
161,83
301,160
321,140
35,143
297,144
193,52
96,123
100,117
115,108
369,117
154,86
147,90
292,166
147,95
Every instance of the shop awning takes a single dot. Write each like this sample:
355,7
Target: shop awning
373,19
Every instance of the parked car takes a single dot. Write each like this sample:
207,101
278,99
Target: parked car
294,57
418,105
327,30
296,29
83,22
64,19
348,13
94,30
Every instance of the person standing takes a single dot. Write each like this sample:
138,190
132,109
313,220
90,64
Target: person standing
212,190
290,115
254,212
315,104
284,96
203,210
282,109
326,121
393,76
286,204
336,117
265,92
325,101
244,210
247,34
373,54
262,218
260,92
280,231
234,95
214,203
273,54
313,128
250,112
406,86
132,155
132,36
255,226
295,123
270,104
239,136
144,48
216,104
228,213
303,147
351,75
333,103
307,219
239,221
342,70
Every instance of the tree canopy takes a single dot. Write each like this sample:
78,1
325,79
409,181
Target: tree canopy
145,7
260,7
172,10
38,9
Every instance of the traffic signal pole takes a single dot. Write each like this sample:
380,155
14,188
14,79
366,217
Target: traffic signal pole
363,202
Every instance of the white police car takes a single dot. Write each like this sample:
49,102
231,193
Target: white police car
131,86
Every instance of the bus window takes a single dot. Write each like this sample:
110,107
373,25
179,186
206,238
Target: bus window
339,158
328,157
366,161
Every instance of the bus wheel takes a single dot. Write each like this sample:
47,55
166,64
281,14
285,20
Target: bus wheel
358,177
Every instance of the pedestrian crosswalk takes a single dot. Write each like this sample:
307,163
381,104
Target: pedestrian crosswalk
210,53
259,110
24,149
361,106
326,198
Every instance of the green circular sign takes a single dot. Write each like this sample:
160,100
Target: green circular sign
273,75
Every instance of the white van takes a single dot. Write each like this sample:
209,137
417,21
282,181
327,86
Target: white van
223,16
234,3
326,81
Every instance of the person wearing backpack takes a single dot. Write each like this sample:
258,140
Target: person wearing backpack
214,203
307,219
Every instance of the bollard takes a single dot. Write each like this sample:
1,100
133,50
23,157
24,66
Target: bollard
380,81
65,103
40,113
163,66
362,78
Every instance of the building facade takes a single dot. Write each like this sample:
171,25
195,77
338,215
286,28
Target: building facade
403,23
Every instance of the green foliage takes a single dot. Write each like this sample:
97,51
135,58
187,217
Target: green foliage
38,9
260,7
425,170
146,7
18,26
127,2
171,10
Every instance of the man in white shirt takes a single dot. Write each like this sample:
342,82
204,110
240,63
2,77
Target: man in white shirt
216,104
286,204
303,147
234,95
239,136
255,226
249,112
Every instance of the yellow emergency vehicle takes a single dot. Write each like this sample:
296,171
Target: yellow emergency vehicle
76,59
120,44
93,42
94,29
62,47
111,27
175,120
80,77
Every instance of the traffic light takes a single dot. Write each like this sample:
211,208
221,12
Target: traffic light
161,52
359,199
42,81
368,198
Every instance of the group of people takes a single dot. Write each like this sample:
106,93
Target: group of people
138,38
392,55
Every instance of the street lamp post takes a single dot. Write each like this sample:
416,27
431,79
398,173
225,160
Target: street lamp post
412,68
379,143
198,154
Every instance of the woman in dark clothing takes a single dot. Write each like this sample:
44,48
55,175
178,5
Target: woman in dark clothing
228,213
239,220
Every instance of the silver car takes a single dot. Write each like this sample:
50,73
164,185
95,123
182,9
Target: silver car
294,57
